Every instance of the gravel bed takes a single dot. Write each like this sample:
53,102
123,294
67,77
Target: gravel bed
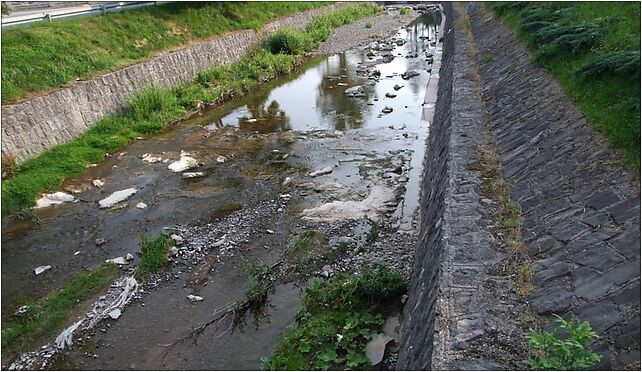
348,36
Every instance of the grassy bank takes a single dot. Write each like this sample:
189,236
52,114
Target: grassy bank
337,319
153,109
50,55
593,49
51,314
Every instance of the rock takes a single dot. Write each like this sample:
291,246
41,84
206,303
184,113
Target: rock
174,250
114,314
53,199
285,197
101,241
327,271
141,205
390,95
322,171
270,231
193,174
148,158
129,257
487,201
376,348
176,238
41,269
397,87
116,197
221,159
386,110
355,91
98,183
185,162
118,261
194,298
332,186
286,181
409,74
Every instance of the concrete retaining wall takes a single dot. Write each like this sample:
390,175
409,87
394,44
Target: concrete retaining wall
34,125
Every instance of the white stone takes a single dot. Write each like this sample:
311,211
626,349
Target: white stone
141,205
270,231
194,298
41,269
129,257
98,183
114,314
117,197
221,159
53,199
118,261
322,171
185,162
193,174
177,238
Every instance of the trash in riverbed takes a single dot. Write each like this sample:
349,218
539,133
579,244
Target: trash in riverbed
101,241
98,183
149,158
193,174
117,197
380,200
53,199
118,261
41,269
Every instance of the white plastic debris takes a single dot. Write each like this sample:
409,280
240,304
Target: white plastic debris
76,253
41,269
66,337
98,183
376,348
322,171
117,197
53,199
194,298
141,205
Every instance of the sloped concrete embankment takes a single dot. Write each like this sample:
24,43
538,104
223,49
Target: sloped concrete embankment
581,214
34,125
581,211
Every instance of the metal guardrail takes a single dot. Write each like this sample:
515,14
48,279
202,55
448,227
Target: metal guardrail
12,21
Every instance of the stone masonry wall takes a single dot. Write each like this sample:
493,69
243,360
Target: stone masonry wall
34,125
581,212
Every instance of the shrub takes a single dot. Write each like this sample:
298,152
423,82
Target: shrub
548,352
288,42
622,63
155,103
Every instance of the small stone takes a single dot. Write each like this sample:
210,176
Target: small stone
386,110
269,231
193,174
114,314
487,201
116,197
355,91
174,250
118,261
404,298
221,159
101,241
397,87
129,257
176,238
390,95
141,205
194,298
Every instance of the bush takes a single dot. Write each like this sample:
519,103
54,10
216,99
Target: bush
155,103
288,42
622,63
548,352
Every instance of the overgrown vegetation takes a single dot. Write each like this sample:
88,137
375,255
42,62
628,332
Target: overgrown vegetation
593,49
551,352
337,319
152,110
50,315
310,253
49,55
154,256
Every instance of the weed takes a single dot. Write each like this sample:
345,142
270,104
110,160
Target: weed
49,315
404,11
487,58
368,24
337,318
373,234
154,256
289,42
8,166
303,240
549,352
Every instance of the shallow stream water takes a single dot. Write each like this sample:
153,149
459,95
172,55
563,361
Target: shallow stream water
287,128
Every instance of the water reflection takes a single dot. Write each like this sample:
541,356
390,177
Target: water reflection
315,96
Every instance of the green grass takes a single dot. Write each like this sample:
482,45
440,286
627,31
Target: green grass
152,110
353,306
154,256
49,55
48,316
593,49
